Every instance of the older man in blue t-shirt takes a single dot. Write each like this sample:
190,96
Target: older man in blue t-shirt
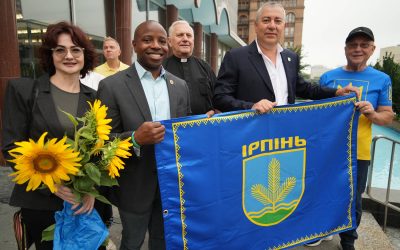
375,106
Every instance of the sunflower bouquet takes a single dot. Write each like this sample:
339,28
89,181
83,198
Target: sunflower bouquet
85,163
88,161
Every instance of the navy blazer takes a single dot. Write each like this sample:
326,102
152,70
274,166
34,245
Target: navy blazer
243,80
128,108
28,115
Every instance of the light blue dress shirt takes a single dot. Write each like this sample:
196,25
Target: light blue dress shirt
156,92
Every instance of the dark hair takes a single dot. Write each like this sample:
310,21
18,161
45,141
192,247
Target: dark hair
78,37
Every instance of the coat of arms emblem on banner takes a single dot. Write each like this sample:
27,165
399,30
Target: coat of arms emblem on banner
273,185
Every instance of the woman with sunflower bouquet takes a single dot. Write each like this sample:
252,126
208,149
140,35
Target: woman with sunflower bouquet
34,110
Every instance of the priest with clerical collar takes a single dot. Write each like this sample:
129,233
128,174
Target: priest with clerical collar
197,73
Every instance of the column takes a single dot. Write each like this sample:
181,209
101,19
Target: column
214,52
198,39
123,29
9,56
109,13
172,16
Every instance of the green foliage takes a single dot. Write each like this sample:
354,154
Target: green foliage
98,156
390,67
48,233
70,117
83,184
108,182
302,66
93,172
102,198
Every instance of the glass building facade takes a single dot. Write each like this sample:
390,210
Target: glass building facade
98,19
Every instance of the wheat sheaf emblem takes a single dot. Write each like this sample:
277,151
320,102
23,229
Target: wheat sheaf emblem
275,193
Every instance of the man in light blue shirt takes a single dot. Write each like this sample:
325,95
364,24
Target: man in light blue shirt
156,93
137,99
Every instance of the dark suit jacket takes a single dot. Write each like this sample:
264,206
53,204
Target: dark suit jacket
27,115
128,108
243,80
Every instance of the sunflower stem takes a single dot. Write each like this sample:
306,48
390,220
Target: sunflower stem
77,136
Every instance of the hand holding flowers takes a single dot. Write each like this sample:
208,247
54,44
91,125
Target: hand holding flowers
80,165
67,195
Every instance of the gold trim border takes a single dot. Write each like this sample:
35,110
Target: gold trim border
247,115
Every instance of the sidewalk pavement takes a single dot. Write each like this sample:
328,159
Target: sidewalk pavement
371,236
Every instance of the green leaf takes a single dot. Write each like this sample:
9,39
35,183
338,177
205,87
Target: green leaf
87,134
70,117
98,196
79,174
85,158
106,180
84,184
81,119
93,172
77,194
48,233
70,141
102,199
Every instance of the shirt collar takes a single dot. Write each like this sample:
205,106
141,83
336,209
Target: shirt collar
279,48
111,69
181,60
142,71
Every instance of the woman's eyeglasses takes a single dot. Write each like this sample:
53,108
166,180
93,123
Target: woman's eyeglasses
63,51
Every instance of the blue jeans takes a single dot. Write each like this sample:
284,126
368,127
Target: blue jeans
347,238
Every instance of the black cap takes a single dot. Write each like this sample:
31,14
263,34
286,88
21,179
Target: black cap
360,31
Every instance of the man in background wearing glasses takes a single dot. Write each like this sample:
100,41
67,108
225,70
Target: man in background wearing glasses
375,106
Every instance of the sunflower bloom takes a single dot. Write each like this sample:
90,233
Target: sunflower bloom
121,151
100,113
51,162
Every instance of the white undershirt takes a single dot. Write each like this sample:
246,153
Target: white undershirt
277,75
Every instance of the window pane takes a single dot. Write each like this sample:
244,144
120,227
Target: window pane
46,11
89,15
29,40
33,17
140,16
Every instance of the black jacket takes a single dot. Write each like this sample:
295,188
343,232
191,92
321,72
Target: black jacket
29,111
200,79
128,108
243,80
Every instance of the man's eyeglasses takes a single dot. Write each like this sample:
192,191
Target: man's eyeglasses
63,51
355,45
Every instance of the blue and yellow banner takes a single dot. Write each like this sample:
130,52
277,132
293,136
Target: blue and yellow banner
244,180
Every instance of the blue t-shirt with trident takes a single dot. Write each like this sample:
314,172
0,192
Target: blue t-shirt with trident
375,87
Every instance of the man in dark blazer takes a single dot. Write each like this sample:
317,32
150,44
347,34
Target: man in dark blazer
137,98
263,74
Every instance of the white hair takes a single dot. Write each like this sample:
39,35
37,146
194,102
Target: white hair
171,29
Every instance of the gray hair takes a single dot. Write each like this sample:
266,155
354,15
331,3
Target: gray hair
269,5
109,38
171,29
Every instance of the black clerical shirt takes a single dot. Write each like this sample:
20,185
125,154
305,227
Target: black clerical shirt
199,77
